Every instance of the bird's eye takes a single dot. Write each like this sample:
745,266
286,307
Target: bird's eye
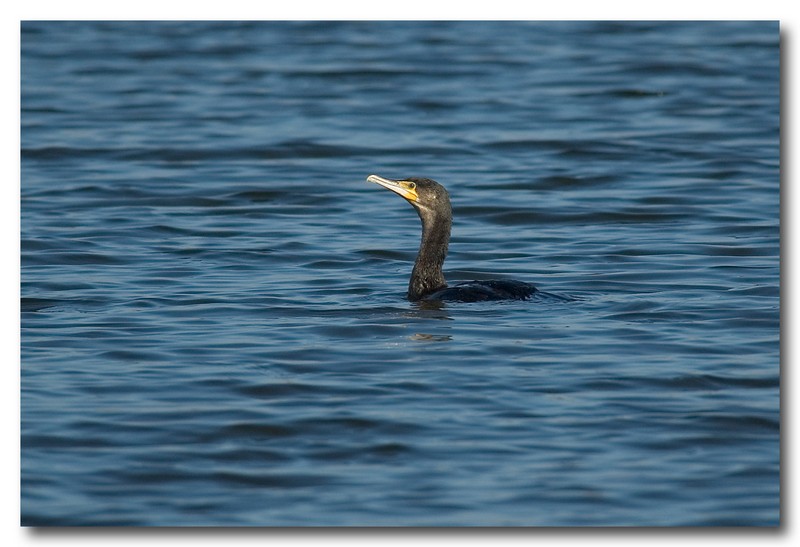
412,186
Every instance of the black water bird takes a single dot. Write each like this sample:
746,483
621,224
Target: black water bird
432,203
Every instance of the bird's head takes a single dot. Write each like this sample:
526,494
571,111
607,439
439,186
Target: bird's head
426,195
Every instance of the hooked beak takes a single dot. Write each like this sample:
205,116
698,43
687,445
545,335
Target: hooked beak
403,188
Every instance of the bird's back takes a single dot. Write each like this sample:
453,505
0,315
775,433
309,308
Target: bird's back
480,291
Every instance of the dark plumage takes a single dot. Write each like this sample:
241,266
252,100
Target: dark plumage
432,203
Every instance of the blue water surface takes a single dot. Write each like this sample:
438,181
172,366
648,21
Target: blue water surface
214,322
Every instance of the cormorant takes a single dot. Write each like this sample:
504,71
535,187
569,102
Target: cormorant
432,203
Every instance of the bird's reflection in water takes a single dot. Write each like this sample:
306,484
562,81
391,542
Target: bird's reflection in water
422,337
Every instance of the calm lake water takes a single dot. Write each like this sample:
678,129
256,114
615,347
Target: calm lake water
214,322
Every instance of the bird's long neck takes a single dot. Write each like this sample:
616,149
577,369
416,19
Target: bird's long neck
427,275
